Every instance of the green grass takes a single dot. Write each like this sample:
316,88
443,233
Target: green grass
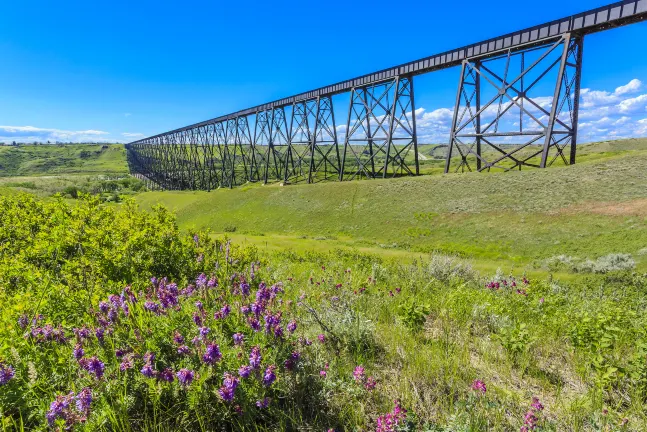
34,160
515,219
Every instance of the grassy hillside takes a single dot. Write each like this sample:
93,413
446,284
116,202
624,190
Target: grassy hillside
34,160
526,218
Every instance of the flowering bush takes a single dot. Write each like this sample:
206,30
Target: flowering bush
225,343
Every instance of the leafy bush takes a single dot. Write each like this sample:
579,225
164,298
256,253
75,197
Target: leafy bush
413,314
607,263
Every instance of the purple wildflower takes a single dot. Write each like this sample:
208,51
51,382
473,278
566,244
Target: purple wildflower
78,352
291,361
99,333
322,338
390,422
225,311
204,331
104,307
60,408
292,326
178,338
479,386
269,377
358,374
166,375
228,388
255,358
148,371
238,338
126,364
370,383
6,374
244,371
152,307
262,404
212,354
254,323
183,349
94,366
23,321
83,401
244,288
278,331
185,376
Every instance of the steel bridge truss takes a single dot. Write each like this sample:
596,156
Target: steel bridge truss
514,126
516,106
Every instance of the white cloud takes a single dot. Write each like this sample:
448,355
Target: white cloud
633,86
31,133
132,134
634,104
127,114
602,115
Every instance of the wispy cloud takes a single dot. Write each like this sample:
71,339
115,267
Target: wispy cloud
133,135
603,115
31,133
127,114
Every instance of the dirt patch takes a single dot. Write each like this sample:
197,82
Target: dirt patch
637,207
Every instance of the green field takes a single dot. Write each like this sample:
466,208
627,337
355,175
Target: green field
411,290
516,219
56,159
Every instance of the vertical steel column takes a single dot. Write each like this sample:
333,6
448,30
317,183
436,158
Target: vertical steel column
313,139
415,132
452,132
553,111
391,115
477,88
576,103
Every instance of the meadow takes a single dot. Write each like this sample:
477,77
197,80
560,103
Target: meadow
468,302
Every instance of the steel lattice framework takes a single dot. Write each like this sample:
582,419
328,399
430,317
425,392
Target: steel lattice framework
499,120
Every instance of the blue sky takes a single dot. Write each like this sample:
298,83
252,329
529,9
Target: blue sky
119,70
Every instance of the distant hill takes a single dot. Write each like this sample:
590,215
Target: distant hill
51,159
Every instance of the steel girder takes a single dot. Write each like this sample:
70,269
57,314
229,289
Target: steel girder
513,126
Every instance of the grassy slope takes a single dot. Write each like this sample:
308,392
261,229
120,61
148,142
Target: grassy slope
48,169
519,217
34,160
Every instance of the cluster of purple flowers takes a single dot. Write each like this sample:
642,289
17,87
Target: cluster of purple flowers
161,299
228,388
185,376
167,295
269,376
6,373
391,421
262,404
238,338
291,362
255,358
479,387
93,365
149,368
505,283
531,419
48,333
211,354
71,408
369,383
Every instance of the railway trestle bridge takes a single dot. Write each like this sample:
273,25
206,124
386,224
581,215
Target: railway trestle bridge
504,118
